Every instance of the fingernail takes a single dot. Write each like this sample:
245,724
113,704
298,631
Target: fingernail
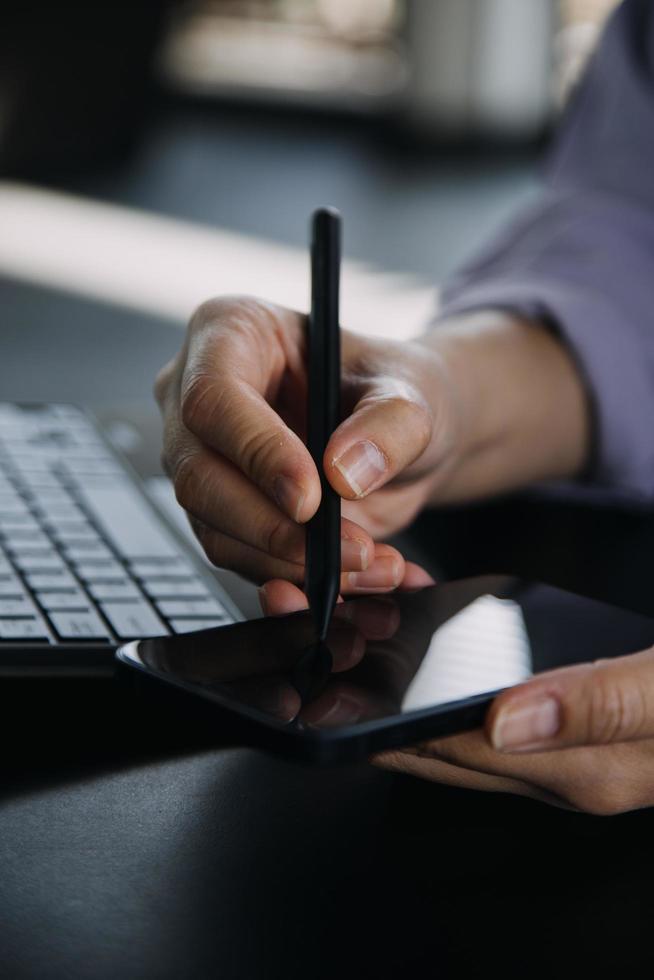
354,554
383,574
361,466
263,599
289,496
526,725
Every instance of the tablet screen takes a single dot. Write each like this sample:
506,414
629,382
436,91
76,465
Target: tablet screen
391,655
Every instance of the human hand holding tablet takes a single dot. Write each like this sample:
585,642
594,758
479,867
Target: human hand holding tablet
406,667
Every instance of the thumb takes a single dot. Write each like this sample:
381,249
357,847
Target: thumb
389,428
588,704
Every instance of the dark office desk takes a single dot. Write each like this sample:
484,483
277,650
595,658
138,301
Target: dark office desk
139,852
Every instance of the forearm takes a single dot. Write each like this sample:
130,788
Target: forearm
580,257
522,412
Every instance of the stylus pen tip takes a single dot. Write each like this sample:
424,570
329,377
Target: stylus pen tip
322,616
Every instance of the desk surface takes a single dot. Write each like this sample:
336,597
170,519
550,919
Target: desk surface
136,855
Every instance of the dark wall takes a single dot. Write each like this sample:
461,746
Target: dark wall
75,80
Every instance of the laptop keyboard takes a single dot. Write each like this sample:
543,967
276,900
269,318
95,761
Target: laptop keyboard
84,557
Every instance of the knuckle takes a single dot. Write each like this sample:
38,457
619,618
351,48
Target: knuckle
208,540
204,313
209,311
598,803
617,707
173,445
162,381
393,760
165,463
259,451
188,481
420,420
606,799
213,552
613,780
199,399
277,539
237,310
410,414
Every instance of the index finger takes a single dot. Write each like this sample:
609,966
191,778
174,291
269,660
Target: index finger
241,354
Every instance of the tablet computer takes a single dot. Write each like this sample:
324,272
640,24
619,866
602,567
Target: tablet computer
394,670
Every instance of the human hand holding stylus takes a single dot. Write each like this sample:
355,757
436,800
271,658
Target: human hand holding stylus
479,405
234,407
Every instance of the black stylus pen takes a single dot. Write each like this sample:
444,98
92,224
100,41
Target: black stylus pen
323,543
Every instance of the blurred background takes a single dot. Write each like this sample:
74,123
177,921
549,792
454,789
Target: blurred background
153,154
421,119
157,153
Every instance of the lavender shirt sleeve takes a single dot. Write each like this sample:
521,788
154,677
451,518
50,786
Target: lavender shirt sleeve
582,259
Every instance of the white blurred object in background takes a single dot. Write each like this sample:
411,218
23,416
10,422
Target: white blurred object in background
581,25
444,68
480,67
165,267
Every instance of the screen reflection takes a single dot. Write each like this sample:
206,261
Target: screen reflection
383,655
481,648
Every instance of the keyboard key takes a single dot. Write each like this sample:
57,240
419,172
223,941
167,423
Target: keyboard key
50,438
23,629
51,581
85,435
50,497
10,586
9,497
15,443
176,567
92,466
19,522
64,600
10,414
53,512
178,608
127,520
176,588
44,498
21,451
62,410
87,551
72,532
50,562
27,464
11,505
63,526
100,571
114,590
66,505
133,620
24,540
39,480
16,607
84,453
192,625
79,625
